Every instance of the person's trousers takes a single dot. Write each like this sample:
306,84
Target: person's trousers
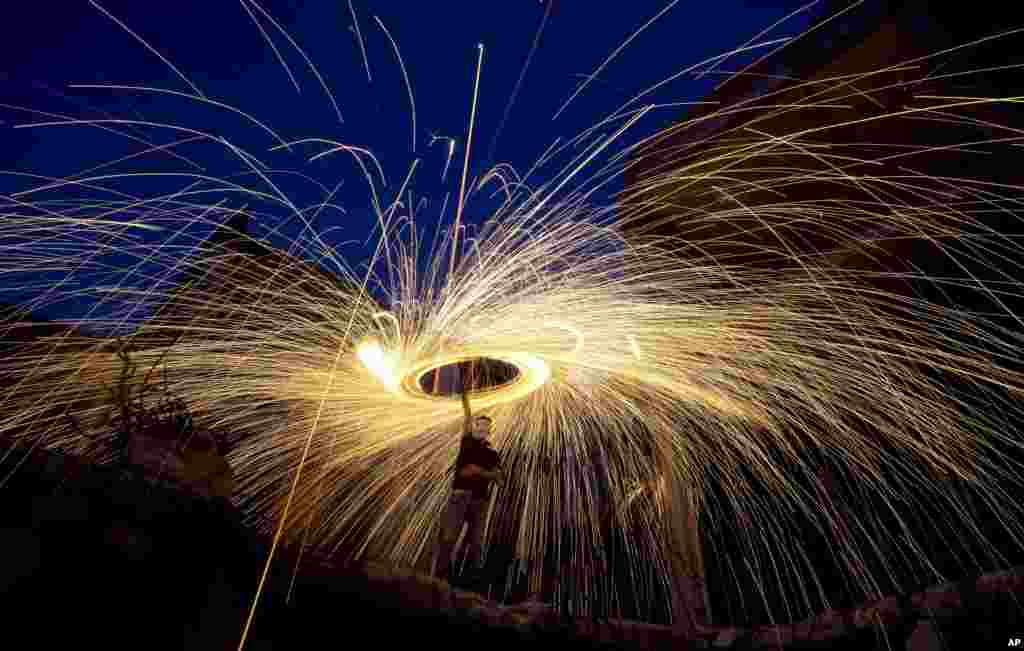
461,508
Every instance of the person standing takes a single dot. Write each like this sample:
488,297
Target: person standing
477,468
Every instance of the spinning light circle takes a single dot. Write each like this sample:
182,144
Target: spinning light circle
531,374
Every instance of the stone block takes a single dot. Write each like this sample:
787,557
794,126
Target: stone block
418,597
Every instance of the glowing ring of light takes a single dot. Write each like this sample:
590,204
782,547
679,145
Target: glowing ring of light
532,373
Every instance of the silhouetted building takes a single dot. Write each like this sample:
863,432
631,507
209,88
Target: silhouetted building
789,129
222,288
794,132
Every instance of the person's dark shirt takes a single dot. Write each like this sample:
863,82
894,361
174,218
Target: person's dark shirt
477,453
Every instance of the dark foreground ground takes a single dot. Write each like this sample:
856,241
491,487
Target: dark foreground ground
97,558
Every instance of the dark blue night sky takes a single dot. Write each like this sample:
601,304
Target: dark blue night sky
50,44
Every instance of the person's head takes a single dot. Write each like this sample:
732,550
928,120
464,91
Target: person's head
481,427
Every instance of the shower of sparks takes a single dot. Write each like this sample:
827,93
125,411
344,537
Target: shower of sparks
650,368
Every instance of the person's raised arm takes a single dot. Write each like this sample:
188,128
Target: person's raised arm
467,423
